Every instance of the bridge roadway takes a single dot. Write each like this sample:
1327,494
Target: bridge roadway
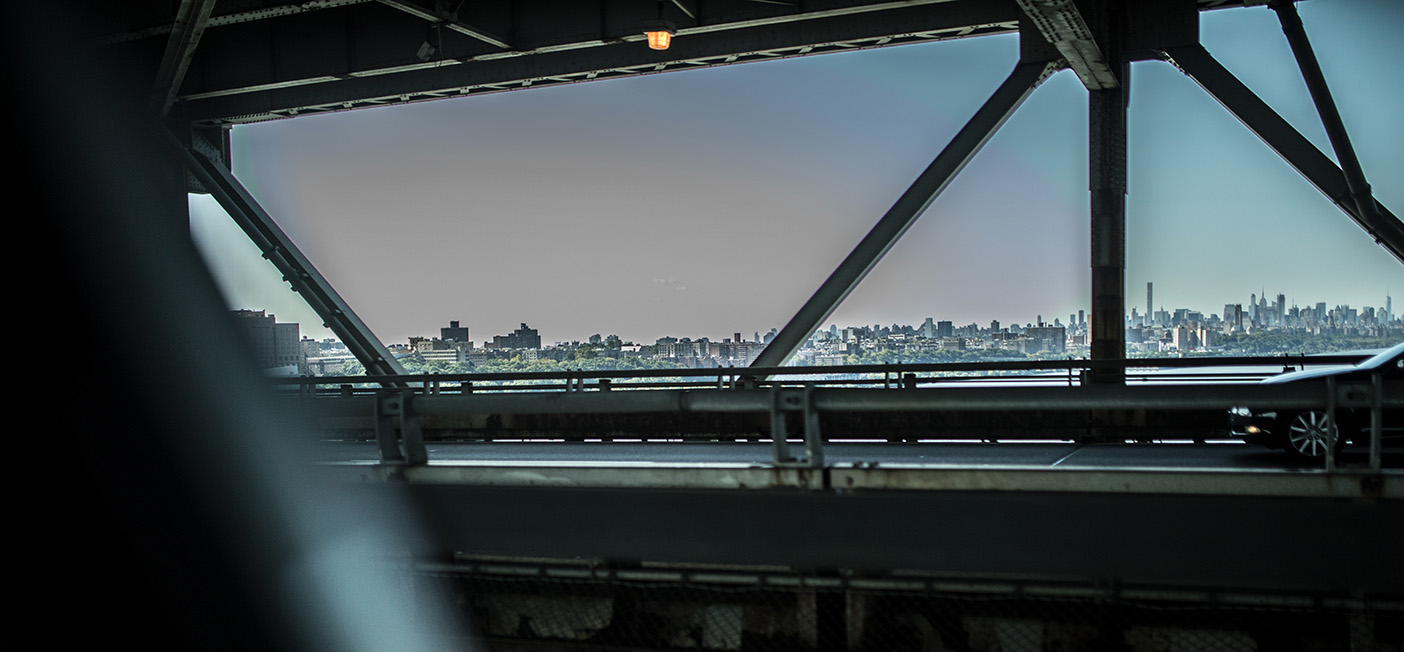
1225,516
1218,456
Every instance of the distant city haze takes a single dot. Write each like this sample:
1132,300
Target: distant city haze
707,202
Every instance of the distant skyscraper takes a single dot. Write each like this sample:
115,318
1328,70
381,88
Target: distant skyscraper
1233,317
522,338
453,332
275,344
1150,303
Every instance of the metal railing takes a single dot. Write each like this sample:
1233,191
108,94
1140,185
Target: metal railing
802,394
1067,373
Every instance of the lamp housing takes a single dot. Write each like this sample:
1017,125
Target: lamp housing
660,33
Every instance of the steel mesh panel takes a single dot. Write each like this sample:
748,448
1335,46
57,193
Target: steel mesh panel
618,612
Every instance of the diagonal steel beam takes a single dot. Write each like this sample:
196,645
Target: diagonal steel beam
447,21
1290,144
1325,106
683,8
284,254
963,147
191,18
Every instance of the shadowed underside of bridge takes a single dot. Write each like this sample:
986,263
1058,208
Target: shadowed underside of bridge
215,534
232,62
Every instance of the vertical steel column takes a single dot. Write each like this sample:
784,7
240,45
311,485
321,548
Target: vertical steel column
966,143
1195,61
296,268
1106,136
1326,107
396,424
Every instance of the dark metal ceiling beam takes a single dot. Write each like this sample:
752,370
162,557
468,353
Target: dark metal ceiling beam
1060,22
235,18
190,21
706,45
448,21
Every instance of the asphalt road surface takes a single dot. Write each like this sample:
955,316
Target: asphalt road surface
1020,454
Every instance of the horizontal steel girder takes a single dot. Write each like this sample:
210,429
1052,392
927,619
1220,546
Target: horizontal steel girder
949,399
1330,545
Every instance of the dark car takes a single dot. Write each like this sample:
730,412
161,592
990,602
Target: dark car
1303,433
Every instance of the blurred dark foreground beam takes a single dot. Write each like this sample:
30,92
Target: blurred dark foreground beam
184,517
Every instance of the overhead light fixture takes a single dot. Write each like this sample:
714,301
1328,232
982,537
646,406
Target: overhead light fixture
660,32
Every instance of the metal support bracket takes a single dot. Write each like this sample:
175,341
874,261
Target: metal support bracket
782,403
1061,24
1376,420
397,431
1365,395
1332,432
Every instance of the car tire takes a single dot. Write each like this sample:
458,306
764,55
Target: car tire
1304,434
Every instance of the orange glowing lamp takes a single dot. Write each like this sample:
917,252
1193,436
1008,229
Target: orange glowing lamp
660,34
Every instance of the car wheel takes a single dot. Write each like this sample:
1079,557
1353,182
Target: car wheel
1305,434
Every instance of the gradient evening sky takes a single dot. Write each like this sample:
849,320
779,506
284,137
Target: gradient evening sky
705,202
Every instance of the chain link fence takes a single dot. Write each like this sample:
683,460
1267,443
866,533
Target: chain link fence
522,608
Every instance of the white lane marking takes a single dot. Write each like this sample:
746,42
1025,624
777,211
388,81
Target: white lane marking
1065,457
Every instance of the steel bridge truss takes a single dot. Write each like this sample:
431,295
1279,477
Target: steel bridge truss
1097,39
202,520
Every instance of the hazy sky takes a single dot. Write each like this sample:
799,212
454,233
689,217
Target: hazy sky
705,202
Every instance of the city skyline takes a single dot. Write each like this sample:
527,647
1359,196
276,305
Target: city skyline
1076,318
718,199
